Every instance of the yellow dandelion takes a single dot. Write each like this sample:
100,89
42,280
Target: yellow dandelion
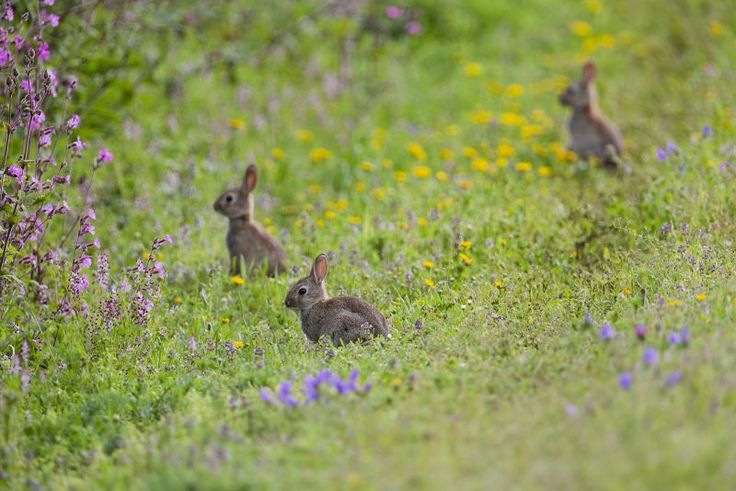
505,150
236,123
428,282
544,171
470,152
330,215
512,119
178,300
446,154
524,166
673,303
700,297
400,176
515,90
237,280
606,41
225,320
481,117
422,222
626,291
421,171
581,28
238,344
716,29
441,176
427,264
466,260
416,151
501,163
465,244
278,154
480,164
367,166
498,284
304,135
319,223
593,6
355,220
529,131
402,225
341,204
319,155
452,130
379,194
396,383
473,69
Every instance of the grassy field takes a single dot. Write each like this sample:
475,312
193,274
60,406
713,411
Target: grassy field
432,168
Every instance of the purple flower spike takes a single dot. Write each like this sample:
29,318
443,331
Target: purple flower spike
661,154
311,388
73,123
707,131
104,156
650,356
674,338
284,394
625,381
15,171
673,378
266,396
672,149
607,333
640,331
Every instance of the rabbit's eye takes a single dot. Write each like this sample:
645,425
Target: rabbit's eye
229,198
302,290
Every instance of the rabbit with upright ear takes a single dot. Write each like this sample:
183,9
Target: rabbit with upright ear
591,134
341,319
246,240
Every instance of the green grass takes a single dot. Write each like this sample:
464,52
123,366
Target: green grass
477,397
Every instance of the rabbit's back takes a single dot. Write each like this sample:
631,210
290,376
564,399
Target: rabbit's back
255,245
344,320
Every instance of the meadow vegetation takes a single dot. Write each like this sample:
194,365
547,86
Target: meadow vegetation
554,324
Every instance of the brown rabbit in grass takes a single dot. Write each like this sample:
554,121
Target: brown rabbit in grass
340,319
246,240
591,134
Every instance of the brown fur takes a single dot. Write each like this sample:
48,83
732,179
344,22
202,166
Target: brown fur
246,240
591,133
342,319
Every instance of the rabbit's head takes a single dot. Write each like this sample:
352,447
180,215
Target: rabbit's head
581,94
310,289
238,202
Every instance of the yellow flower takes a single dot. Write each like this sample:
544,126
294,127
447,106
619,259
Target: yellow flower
225,320
716,29
524,166
673,303
236,123
367,166
400,176
387,163
416,151
606,41
593,6
355,220
238,344
544,171
314,188
580,28
465,184
278,153
529,131
515,90
379,194
421,171
505,150
359,187
700,297
512,119
341,204
467,260
178,300
422,222
271,230
446,154
147,256
396,383
428,282
465,244
470,152
498,284
539,150
481,117
626,291
473,69
495,88
330,215
441,176
237,280
402,225
304,135
319,155
428,264
480,164
320,223
501,163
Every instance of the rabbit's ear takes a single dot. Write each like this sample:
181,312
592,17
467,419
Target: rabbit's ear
249,181
319,269
588,71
